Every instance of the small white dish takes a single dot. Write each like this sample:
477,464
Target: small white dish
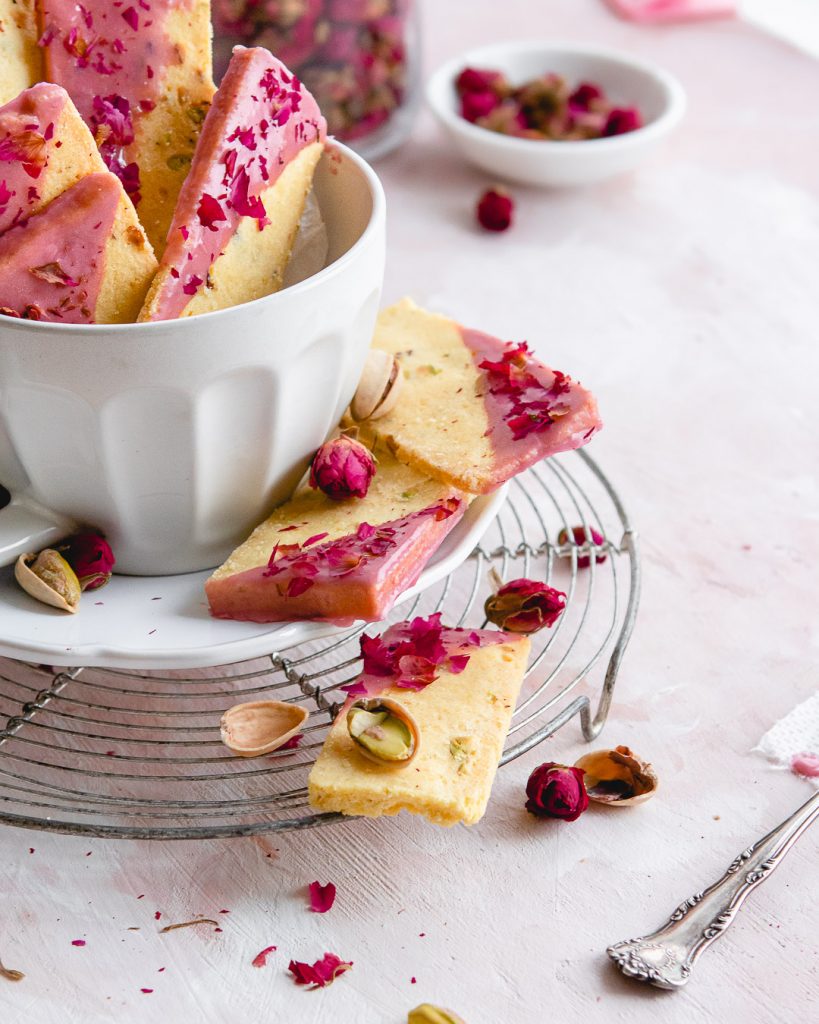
627,82
162,622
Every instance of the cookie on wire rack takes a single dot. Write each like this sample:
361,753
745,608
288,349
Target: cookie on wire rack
458,688
474,411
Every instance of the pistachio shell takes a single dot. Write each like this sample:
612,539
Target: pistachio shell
48,578
617,777
426,1013
379,387
383,730
261,726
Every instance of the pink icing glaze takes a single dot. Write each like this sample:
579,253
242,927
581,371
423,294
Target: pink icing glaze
112,50
51,268
27,140
354,577
260,119
805,764
533,411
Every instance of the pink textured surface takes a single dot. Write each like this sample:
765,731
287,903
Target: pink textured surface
684,297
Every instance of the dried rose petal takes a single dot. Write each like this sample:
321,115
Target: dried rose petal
806,764
342,468
556,791
622,120
260,960
322,897
90,556
580,539
525,606
321,973
495,209
584,95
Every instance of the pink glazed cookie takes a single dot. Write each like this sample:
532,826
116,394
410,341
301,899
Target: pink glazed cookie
474,411
239,210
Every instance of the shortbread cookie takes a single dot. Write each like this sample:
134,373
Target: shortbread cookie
462,717
21,59
140,75
339,561
45,148
474,411
83,259
239,210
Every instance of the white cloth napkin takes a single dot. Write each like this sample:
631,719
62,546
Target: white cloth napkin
796,733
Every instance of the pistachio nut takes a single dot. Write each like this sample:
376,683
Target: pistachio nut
426,1013
383,730
379,387
47,577
617,777
261,726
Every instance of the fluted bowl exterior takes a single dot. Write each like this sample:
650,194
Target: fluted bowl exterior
176,438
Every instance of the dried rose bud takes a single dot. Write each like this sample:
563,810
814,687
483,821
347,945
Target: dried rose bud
556,791
525,606
580,538
478,104
584,96
90,556
342,468
479,80
495,209
622,120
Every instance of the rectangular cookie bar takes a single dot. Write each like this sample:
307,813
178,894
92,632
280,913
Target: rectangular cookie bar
474,411
45,148
240,207
462,718
338,561
140,75
83,259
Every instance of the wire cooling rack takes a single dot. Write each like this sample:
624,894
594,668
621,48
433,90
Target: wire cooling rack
137,754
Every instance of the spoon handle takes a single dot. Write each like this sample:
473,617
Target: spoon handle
665,958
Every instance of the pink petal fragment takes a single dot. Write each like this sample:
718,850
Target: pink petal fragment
320,974
322,897
260,960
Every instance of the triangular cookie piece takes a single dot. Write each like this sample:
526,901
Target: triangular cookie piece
474,411
460,688
140,74
45,148
239,210
21,59
338,561
83,259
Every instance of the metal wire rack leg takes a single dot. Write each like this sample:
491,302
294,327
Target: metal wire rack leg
137,754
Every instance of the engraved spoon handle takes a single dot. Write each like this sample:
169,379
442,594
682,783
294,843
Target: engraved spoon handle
666,957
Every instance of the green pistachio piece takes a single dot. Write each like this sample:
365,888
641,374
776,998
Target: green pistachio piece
383,730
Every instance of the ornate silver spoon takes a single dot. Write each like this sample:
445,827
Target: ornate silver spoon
665,958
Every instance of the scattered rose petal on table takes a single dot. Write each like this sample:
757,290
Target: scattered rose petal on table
320,974
322,897
260,960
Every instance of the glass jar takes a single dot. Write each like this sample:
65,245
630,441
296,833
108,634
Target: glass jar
359,58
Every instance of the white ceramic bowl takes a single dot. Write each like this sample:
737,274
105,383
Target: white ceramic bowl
176,438
626,81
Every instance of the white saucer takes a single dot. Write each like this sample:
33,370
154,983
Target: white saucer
153,622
